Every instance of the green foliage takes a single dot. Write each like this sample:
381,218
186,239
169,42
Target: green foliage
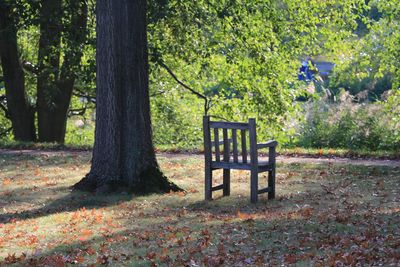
80,132
5,125
177,124
392,107
371,63
367,67
243,57
58,63
351,126
28,38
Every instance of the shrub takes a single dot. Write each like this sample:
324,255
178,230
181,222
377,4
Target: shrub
349,125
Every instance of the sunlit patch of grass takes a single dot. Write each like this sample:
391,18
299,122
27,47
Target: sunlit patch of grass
323,213
339,152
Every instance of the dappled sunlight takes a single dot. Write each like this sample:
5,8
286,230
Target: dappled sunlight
37,184
323,214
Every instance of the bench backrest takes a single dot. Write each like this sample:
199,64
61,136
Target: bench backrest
243,149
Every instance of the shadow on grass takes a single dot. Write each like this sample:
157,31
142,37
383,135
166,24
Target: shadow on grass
24,160
308,220
70,202
188,239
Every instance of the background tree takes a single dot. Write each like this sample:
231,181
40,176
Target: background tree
56,75
368,63
63,31
123,155
233,59
18,109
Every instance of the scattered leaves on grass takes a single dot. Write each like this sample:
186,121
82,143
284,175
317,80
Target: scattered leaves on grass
245,216
324,215
7,181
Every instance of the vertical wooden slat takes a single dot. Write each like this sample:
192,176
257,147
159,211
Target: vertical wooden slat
216,141
235,146
226,172
253,161
244,149
207,158
271,174
226,145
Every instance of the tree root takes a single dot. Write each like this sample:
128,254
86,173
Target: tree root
150,181
153,180
87,183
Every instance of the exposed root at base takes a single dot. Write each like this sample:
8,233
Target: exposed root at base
150,181
87,183
154,181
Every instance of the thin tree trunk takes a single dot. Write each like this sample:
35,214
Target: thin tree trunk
123,155
55,83
50,120
20,111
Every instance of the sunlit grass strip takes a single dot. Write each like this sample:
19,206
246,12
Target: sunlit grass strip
196,149
338,152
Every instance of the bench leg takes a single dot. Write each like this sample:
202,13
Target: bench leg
271,183
227,182
254,186
208,184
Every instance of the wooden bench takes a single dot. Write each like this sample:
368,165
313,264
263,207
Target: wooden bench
235,156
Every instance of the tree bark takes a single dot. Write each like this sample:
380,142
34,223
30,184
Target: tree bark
20,111
50,121
123,154
55,82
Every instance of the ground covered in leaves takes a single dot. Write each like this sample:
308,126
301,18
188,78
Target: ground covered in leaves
324,215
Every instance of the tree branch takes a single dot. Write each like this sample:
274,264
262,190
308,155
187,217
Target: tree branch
207,102
77,112
162,64
219,117
157,93
30,67
79,93
239,37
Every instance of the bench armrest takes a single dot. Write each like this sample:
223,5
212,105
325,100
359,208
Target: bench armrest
270,143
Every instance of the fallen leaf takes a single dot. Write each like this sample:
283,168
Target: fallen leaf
244,216
380,184
290,259
7,181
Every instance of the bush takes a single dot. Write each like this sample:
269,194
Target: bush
80,132
176,124
349,125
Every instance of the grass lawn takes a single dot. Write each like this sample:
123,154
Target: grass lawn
324,215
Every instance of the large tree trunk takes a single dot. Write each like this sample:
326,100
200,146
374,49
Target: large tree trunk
123,155
20,111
